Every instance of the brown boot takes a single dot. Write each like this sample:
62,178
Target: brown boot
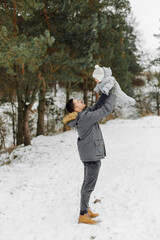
86,219
91,214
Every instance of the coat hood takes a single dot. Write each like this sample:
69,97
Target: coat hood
107,72
71,119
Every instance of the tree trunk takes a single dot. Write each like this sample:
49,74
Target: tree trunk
158,104
68,84
68,91
13,125
41,109
26,127
20,132
85,92
92,99
41,106
55,87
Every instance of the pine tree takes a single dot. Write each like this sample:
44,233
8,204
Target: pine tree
84,33
154,79
22,56
117,43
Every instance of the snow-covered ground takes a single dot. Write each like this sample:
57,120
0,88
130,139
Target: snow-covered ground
40,189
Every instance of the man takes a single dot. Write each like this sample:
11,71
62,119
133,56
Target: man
91,145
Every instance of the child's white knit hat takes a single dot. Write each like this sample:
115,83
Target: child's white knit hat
98,73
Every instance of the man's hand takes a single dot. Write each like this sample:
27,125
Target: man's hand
97,80
97,96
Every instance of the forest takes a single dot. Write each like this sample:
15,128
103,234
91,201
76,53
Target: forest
49,45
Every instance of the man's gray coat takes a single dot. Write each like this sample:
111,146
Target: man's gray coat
90,141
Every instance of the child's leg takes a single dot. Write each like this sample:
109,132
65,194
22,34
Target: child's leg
122,98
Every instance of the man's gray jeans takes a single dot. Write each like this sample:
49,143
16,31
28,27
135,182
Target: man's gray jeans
91,171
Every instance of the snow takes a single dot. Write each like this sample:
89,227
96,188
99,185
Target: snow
40,189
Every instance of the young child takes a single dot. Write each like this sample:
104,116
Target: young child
106,82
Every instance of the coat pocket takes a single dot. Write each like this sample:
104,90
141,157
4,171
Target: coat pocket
99,145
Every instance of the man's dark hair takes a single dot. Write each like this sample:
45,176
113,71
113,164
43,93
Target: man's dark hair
70,105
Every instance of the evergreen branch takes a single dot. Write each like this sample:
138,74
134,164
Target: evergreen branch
46,16
15,19
53,71
5,4
90,1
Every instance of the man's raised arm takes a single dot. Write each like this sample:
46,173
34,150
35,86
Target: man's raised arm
91,117
101,101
